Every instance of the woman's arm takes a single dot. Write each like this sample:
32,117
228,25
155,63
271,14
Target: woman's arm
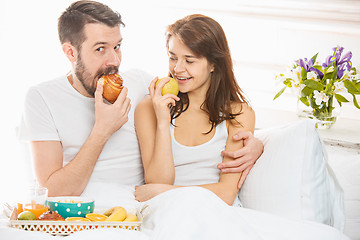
226,188
152,120
243,159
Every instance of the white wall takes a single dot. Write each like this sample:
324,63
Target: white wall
264,37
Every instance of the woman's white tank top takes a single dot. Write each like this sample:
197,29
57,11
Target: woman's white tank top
196,165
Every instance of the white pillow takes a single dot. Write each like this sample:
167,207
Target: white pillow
292,177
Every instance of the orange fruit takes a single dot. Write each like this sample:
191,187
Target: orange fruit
95,217
77,219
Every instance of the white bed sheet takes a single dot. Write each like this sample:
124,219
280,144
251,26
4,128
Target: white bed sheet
346,165
202,215
196,213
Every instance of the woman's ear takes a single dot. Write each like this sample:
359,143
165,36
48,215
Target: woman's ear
70,52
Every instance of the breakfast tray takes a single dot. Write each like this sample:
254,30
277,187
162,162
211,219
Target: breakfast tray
63,228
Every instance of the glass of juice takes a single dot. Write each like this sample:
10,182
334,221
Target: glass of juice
35,200
35,208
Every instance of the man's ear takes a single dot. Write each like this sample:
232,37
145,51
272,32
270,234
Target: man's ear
70,52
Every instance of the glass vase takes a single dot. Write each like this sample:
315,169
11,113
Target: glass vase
325,114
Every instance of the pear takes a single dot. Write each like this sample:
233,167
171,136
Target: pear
26,215
171,86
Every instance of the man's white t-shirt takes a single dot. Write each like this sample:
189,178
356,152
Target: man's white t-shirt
55,111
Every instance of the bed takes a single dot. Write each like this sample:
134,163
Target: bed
291,193
341,145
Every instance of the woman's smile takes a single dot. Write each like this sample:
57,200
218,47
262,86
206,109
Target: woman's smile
182,80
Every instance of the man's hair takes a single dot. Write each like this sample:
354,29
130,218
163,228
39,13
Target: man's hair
73,20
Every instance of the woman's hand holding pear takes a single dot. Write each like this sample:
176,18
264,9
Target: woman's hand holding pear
161,99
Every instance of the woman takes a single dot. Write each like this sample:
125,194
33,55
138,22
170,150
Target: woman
179,144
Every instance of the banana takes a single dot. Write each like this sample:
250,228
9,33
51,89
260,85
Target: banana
117,214
111,210
131,218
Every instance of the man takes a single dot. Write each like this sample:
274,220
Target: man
76,138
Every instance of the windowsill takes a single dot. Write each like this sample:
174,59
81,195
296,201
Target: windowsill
344,133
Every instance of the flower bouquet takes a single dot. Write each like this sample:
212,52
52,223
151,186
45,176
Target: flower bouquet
317,85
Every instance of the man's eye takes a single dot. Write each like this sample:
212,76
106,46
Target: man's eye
172,58
189,61
100,49
117,47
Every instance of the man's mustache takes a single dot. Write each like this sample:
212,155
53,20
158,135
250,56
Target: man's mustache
106,71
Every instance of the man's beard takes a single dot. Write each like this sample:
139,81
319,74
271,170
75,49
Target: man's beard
87,80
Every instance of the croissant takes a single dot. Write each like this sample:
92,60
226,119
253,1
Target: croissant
51,216
112,87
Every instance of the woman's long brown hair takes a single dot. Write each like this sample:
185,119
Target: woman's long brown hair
206,38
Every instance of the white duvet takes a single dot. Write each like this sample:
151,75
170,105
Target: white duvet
196,213
193,213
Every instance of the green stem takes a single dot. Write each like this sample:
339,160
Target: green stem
326,109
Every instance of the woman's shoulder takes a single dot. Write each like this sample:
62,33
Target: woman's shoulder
246,118
144,110
145,102
243,108
144,105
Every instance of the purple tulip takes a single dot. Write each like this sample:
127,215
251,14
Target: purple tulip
317,71
340,63
347,57
338,50
340,71
335,59
329,59
305,64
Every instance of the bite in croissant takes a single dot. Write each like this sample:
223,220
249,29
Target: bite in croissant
113,84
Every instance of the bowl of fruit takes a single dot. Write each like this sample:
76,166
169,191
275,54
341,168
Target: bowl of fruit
70,206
